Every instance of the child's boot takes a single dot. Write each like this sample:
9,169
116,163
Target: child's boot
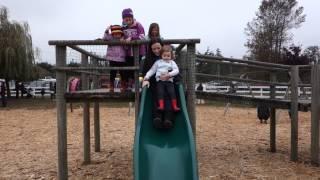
157,123
161,105
174,105
167,124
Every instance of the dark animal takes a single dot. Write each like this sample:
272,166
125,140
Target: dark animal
263,112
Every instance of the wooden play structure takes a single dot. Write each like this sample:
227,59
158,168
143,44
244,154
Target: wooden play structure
187,62
89,66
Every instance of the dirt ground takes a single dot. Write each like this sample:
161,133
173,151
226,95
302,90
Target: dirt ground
235,146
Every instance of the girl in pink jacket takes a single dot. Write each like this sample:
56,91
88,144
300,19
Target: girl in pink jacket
116,55
133,30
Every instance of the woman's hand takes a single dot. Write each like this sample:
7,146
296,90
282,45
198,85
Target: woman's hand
108,28
165,77
146,83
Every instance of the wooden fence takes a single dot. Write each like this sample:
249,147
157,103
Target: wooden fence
272,94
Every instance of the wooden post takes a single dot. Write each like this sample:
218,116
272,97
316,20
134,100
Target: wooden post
294,112
86,114
136,80
183,67
273,78
61,114
191,78
218,69
315,109
96,112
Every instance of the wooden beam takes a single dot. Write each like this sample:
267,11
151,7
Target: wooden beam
191,79
179,48
61,114
244,61
273,78
294,112
241,80
315,109
95,68
99,96
306,67
249,100
230,63
88,72
136,82
86,114
115,42
182,64
96,112
83,51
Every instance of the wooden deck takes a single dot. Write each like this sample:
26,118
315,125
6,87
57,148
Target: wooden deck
98,95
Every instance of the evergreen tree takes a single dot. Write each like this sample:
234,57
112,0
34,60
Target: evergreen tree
313,54
269,31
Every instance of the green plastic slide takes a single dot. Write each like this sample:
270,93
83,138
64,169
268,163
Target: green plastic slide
164,155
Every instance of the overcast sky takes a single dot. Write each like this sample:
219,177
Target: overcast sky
219,24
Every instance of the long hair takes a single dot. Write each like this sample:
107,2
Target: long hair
154,25
153,41
150,56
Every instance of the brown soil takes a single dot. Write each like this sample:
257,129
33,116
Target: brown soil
235,146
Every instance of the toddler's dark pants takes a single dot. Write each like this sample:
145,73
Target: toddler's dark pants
165,87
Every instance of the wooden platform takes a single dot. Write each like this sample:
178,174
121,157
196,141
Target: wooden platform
99,95
304,105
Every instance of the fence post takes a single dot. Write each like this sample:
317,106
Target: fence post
86,113
96,112
61,114
273,78
294,112
191,78
136,82
315,109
